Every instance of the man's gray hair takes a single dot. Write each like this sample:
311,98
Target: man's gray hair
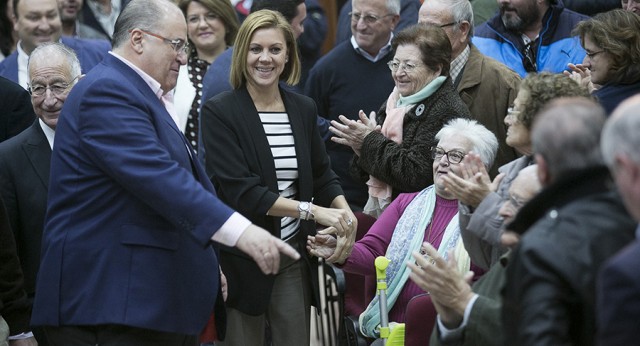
47,50
393,6
567,134
620,133
142,14
461,10
484,142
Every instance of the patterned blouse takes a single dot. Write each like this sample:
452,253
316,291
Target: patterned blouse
196,68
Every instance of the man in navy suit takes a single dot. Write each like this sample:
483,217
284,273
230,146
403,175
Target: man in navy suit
25,158
618,308
37,22
128,253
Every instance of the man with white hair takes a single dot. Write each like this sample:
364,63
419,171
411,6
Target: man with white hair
25,159
578,221
618,308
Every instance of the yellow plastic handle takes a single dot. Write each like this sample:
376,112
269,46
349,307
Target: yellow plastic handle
381,264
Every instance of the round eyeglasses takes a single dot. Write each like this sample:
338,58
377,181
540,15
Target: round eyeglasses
407,67
453,156
57,89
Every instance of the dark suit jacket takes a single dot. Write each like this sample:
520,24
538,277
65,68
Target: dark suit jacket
89,52
14,306
24,180
240,163
618,309
88,18
130,214
15,109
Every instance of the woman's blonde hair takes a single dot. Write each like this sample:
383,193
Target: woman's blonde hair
263,19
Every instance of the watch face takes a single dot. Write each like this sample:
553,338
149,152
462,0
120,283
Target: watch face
303,206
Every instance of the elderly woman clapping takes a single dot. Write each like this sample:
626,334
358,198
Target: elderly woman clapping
395,157
430,215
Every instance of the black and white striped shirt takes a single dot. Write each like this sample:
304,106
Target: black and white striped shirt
280,136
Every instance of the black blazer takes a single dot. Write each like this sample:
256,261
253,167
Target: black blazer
240,165
24,180
16,111
15,308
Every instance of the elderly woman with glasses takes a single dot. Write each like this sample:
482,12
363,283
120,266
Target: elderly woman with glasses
429,215
611,67
392,148
480,199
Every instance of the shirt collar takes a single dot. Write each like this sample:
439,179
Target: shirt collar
48,132
23,62
381,53
458,63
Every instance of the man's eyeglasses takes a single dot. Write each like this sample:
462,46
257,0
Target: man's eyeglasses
404,66
529,58
367,18
453,156
592,55
178,45
57,89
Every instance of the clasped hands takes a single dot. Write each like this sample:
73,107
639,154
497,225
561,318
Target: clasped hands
351,132
341,223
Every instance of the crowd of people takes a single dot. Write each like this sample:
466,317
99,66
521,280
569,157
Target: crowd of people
172,172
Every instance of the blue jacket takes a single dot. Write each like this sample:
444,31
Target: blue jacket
130,214
557,46
89,52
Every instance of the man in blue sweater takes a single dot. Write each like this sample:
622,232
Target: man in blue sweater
531,36
354,76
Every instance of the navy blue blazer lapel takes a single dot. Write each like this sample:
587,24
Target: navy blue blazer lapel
37,149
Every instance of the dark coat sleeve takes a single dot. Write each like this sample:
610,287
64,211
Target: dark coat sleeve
408,167
14,306
16,111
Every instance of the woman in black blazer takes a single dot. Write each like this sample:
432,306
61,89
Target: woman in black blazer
267,160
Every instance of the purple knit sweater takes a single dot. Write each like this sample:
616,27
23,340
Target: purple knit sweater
377,239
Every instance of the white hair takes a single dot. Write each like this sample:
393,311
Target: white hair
484,142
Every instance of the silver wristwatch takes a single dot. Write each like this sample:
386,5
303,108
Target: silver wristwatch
304,208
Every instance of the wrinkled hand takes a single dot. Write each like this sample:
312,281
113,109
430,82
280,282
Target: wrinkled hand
321,245
24,342
474,184
264,248
341,220
352,133
580,74
345,229
450,291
